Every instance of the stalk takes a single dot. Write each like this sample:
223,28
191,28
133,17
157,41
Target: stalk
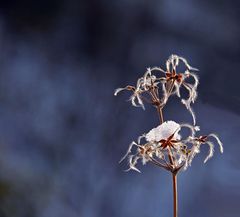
160,114
174,174
175,195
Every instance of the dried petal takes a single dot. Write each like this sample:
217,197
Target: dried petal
211,151
187,104
118,90
128,151
218,141
193,129
132,163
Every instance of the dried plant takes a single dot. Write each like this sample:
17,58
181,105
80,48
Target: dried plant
164,146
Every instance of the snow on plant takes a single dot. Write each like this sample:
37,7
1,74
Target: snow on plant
164,146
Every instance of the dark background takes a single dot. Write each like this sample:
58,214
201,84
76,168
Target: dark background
62,132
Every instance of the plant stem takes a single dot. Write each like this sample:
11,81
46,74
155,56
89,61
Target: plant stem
175,195
174,175
160,114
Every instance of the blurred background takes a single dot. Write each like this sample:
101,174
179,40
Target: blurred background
62,132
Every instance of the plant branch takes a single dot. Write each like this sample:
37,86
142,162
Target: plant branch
157,163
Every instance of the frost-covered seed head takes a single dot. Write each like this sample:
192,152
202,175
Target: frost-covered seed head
164,145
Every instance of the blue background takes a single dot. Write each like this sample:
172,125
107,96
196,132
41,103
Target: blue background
62,132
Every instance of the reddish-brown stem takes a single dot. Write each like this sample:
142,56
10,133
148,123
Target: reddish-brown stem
170,156
175,195
160,114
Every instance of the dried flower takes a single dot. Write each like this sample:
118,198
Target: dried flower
170,82
198,141
164,146
165,139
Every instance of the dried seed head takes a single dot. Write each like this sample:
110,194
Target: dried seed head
164,145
